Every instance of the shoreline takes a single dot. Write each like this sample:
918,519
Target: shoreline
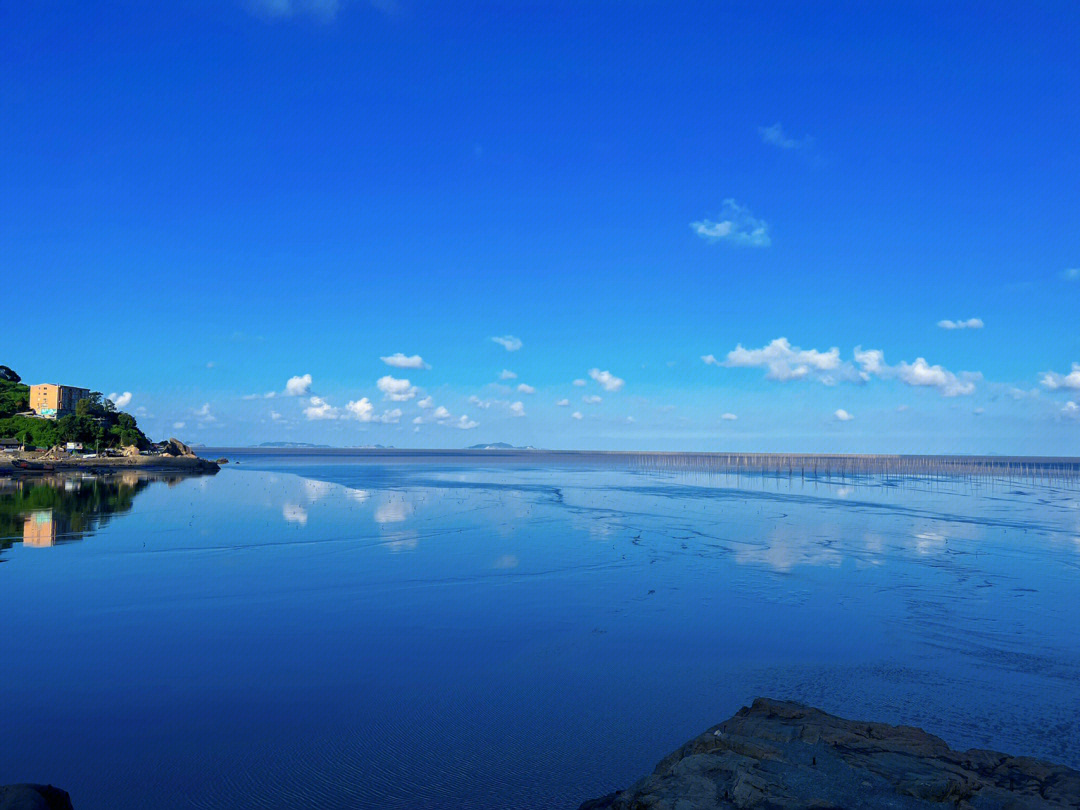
181,464
797,464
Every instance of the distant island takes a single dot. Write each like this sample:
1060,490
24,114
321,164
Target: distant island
292,444
499,446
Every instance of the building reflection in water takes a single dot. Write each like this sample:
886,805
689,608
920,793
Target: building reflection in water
41,528
43,511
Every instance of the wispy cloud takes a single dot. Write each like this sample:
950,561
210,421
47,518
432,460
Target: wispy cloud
710,360
842,416
204,416
735,224
580,382
1054,381
1071,410
507,374
322,10
1071,274
970,323
776,136
562,403
283,9
729,417
607,380
592,399
399,360
509,342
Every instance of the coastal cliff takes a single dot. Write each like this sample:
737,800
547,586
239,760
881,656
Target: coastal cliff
783,756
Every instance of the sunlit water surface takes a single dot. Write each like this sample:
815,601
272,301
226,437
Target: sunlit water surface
309,631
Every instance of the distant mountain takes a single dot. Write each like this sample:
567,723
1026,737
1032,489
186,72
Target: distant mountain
290,444
499,446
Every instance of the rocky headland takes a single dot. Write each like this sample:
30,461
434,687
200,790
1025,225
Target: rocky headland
174,457
786,756
33,797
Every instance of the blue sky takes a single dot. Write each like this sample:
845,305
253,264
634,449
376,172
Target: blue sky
203,200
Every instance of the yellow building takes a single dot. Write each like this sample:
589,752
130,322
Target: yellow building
54,401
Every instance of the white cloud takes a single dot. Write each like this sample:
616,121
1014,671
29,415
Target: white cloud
576,415
203,414
517,408
465,423
607,380
786,362
391,417
710,360
526,389
426,402
1071,410
776,136
921,373
735,225
580,382
275,416
418,420
267,395
1071,274
507,374
120,400
970,323
509,342
592,399
178,425
1054,381
729,417
320,409
562,403
630,420
399,360
298,386
440,413
842,415
479,403
871,361
362,410
395,390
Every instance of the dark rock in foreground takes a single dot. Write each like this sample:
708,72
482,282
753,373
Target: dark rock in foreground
33,797
785,755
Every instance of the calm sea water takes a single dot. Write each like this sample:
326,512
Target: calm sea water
333,632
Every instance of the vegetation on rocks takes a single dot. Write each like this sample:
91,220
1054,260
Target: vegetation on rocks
96,422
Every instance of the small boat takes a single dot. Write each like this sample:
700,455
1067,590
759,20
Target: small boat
21,464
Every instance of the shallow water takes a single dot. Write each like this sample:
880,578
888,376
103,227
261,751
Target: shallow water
315,631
